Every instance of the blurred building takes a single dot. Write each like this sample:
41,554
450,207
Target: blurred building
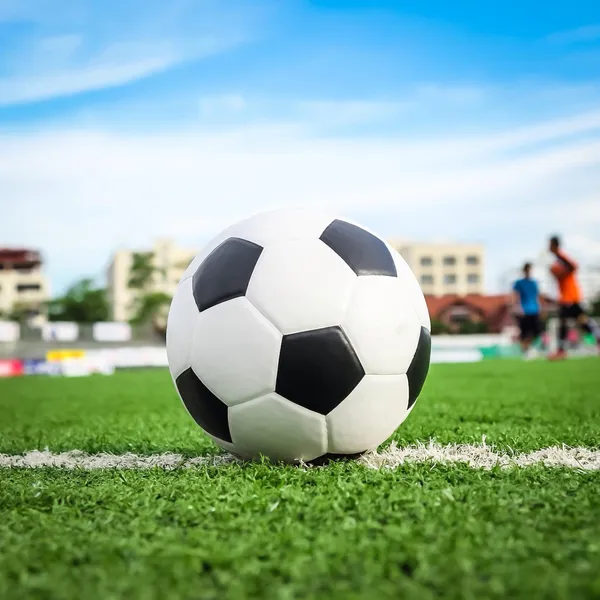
494,311
445,268
169,262
24,289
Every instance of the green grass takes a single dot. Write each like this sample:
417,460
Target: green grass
340,532
516,405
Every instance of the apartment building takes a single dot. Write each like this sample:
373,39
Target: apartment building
446,268
23,286
169,261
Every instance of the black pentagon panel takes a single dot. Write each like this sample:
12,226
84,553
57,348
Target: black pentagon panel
419,367
363,252
225,272
317,369
206,409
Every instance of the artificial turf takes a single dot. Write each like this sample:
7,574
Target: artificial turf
519,406
342,532
337,532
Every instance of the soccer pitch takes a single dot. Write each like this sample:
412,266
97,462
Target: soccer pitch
452,518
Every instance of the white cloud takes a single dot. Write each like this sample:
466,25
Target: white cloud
17,90
222,103
33,10
86,47
114,65
56,47
348,111
338,112
557,128
458,95
78,194
585,33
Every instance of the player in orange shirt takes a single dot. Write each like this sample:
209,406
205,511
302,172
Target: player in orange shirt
564,270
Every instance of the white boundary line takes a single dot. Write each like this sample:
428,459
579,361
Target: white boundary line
473,455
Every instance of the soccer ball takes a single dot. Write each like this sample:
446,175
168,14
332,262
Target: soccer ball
299,337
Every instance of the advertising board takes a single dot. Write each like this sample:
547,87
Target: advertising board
9,331
61,331
111,332
11,368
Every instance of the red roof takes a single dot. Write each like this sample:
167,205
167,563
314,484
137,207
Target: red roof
19,255
492,309
487,305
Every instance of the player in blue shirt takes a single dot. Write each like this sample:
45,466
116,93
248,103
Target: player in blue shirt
527,301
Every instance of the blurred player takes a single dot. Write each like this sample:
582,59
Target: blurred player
527,301
564,270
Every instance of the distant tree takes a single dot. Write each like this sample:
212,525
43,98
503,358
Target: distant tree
149,304
142,270
21,312
595,308
438,327
471,327
83,302
149,307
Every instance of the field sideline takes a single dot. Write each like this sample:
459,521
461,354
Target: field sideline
477,456
490,489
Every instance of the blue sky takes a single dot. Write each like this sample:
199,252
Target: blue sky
121,122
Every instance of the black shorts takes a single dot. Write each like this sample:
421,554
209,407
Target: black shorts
530,326
570,311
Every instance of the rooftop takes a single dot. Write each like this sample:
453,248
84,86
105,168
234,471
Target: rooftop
20,256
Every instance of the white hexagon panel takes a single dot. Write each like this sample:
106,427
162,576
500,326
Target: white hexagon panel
235,351
301,285
277,428
369,415
382,325
271,227
182,314
283,225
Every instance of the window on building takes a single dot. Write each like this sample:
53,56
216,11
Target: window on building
426,261
28,287
459,314
473,278
449,278
23,268
449,260
427,279
472,259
